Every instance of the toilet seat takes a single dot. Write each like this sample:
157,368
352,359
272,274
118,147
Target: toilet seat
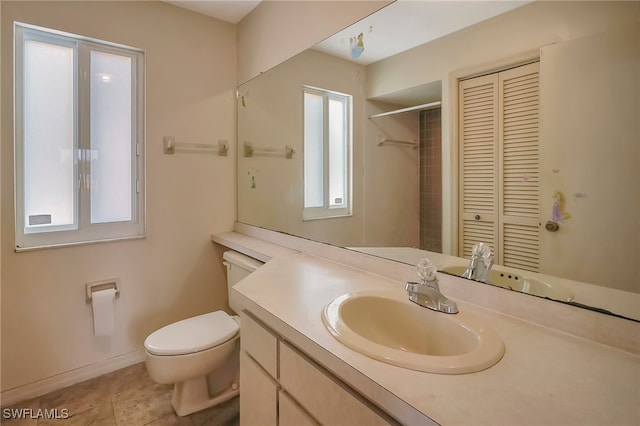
192,334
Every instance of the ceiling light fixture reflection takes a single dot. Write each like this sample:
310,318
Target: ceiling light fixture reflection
357,45
104,77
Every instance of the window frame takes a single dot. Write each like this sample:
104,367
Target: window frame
327,210
82,231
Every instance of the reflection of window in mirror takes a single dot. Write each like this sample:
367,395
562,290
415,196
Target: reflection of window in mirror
327,154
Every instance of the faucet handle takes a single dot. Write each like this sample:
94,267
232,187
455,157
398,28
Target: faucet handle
426,270
410,287
448,306
488,263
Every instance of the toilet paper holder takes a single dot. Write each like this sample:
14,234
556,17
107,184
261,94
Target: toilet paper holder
102,285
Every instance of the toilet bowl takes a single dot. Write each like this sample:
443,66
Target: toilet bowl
200,355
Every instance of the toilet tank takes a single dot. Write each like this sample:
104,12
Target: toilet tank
239,266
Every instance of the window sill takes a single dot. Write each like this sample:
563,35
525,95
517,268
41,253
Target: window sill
75,244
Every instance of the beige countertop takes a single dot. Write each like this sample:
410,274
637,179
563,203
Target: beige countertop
545,376
252,247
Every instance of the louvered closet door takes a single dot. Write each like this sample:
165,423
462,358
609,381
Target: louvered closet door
519,168
478,136
499,163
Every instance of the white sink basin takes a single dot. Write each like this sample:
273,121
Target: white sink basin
519,282
388,327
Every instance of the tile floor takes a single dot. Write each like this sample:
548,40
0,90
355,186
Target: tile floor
126,397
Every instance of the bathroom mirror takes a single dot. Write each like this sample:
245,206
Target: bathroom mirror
404,192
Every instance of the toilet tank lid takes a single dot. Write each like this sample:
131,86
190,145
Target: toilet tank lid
192,334
245,262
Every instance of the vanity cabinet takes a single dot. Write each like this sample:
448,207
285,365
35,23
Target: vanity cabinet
328,400
280,385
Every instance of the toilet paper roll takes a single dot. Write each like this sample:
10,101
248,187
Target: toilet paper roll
103,311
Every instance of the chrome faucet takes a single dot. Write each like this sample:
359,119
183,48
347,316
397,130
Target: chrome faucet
480,263
427,293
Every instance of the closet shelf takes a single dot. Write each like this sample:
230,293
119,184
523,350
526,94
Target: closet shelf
413,108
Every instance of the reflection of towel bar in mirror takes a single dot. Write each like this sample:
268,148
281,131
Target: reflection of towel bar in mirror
411,144
250,151
171,147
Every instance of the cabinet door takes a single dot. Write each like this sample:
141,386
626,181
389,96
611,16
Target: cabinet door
292,414
321,395
258,394
260,343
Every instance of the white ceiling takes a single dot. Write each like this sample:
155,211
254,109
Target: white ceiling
228,10
399,26
409,23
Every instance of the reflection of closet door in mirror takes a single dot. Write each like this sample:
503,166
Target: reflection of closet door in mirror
499,165
478,139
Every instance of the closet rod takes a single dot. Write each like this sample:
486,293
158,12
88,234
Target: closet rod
413,108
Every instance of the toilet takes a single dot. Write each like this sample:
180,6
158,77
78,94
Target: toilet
200,355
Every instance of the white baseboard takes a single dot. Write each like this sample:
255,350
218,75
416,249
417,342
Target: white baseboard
59,381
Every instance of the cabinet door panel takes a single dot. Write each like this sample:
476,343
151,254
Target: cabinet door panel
327,401
291,414
258,394
260,343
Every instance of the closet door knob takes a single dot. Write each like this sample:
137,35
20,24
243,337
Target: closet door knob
477,217
552,226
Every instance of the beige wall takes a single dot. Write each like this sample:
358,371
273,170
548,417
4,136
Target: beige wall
391,179
0,197
590,153
272,117
505,36
385,178
277,30
173,273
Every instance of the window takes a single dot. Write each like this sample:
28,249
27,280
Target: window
79,129
327,154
